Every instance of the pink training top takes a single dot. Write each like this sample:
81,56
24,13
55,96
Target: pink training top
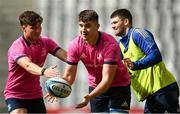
20,83
106,51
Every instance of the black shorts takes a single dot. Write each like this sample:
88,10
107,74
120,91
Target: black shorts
164,100
32,105
115,97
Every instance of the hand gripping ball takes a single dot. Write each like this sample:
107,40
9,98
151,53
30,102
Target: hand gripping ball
58,87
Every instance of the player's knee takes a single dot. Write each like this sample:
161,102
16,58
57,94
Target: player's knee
19,111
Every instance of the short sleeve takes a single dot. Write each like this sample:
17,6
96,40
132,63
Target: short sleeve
16,51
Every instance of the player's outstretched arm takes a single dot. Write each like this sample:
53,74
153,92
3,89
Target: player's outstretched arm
108,76
70,73
33,68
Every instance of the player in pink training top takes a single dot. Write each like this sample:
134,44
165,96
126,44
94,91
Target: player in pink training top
109,81
26,57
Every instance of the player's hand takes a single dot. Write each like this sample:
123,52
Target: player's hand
84,102
128,63
51,71
50,98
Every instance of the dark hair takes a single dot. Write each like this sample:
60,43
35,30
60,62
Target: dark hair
123,14
88,15
30,18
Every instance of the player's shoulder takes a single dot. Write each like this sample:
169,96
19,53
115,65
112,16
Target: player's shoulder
141,32
17,45
109,41
77,40
18,42
106,37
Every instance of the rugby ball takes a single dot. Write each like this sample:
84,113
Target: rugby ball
58,87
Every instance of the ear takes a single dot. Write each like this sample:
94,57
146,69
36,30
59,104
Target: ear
126,22
98,25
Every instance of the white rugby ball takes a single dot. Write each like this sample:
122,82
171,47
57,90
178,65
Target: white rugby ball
58,87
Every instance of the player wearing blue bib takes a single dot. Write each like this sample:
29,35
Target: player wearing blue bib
150,79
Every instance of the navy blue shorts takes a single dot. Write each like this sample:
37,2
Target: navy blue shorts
115,97
164,100
32,105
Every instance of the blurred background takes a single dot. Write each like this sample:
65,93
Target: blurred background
161,17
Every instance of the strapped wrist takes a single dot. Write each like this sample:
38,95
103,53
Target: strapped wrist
87,97
42,71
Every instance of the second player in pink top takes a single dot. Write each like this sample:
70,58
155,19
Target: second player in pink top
105,51
109,82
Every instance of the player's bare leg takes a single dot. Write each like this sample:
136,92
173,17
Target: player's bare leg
19,111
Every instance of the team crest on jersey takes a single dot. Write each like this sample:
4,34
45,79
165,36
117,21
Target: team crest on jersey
99,57
83,56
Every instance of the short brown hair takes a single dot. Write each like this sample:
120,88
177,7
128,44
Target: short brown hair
30,18
123,14
88,15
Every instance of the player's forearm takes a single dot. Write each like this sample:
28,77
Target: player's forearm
34,69
70,73
29,66
108,76
47,72
150,60
102,87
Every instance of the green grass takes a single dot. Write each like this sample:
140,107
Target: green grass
3,110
